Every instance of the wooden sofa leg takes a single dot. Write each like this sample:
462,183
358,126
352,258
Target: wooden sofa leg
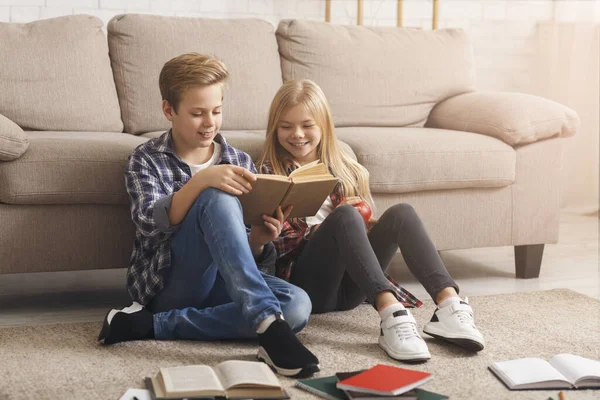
528,260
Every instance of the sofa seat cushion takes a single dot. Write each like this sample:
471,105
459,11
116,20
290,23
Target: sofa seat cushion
404,160
69,168
251,142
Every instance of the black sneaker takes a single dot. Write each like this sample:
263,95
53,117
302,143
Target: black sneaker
281,350
130,323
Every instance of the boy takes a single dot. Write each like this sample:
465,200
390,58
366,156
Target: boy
193,272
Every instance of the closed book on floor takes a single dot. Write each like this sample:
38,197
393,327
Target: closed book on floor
231,379
322,387
306,189
385,380
564,371
416,394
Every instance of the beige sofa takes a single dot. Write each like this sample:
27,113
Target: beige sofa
482,169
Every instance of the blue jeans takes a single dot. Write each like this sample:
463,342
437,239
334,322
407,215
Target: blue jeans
213,288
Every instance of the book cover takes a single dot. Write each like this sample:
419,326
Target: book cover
385,380
322,387
306,189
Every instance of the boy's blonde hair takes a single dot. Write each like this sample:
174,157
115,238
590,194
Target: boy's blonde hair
186,71
353,176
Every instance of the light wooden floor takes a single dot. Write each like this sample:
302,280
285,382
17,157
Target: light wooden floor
83,296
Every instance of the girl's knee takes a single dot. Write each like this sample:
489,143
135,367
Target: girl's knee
404,211
297,309
347,213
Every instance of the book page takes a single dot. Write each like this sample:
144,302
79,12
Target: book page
246,373
529,373
578,369
190,379
303,169
310,169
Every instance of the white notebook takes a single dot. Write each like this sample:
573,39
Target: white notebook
564,371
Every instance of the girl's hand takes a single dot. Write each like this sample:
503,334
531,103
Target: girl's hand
372,222
232,179
350,201
270,229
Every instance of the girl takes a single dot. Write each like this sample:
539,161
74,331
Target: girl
334,258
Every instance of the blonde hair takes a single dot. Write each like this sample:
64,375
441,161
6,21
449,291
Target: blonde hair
353,177
186,71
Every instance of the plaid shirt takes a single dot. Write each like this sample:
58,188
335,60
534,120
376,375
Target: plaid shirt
295,234
152,175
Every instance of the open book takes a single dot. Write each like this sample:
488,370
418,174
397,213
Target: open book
306,189
564,371
230,379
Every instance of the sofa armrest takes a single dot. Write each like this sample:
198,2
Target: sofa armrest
514,118
13,141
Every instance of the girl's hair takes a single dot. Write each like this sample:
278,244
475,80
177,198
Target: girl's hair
353,177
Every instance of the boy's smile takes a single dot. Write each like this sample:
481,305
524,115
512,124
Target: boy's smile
299,134
197,120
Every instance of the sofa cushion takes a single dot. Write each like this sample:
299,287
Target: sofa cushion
13,141
141,44
413,159
514,118
252,142
56,75
69,168
377,76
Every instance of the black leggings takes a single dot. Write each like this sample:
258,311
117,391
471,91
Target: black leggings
341,264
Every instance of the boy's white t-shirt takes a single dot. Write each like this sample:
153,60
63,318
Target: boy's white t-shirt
323,212
213,160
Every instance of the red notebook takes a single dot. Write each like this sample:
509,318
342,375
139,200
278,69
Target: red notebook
385,380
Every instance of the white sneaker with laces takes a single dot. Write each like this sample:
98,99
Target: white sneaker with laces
399,336
454,323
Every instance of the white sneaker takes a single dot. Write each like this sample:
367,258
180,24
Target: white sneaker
400,339
454,323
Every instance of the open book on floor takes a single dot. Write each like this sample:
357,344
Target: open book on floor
564,371
231,379
306,189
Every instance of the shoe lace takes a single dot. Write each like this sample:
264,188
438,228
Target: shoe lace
406,330
465,317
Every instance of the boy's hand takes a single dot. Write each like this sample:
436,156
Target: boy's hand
269,230
232,179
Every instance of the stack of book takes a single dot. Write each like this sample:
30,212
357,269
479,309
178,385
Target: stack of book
378,383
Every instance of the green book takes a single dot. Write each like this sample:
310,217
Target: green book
323,387
425,395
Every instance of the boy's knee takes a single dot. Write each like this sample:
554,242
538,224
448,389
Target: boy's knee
215,198
297,310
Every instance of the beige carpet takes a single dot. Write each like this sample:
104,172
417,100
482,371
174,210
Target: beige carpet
64,362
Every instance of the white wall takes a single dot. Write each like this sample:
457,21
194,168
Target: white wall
503,33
